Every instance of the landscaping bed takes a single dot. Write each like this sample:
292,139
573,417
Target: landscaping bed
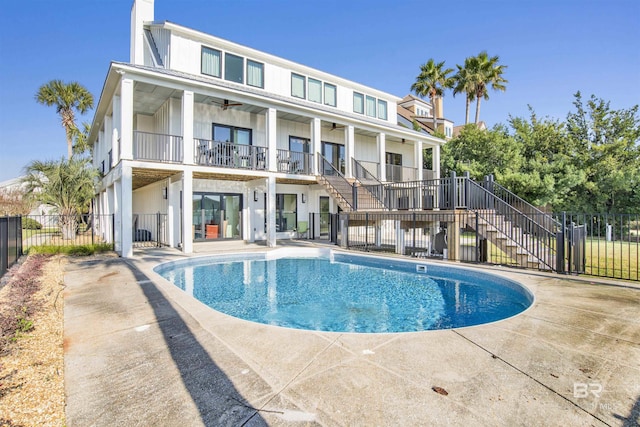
31,343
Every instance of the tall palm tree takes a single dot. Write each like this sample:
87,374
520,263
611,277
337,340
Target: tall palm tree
465,82
68,98
431,82
489,74
67,185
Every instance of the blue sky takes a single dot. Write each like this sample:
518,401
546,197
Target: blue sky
552,49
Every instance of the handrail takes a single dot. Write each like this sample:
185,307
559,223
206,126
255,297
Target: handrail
482,199
324,165
360,172
521,201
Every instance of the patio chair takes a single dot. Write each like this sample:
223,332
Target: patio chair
303,229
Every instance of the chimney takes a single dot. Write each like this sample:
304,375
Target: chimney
141,12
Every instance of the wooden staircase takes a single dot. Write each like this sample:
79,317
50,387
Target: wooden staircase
342,191
523,248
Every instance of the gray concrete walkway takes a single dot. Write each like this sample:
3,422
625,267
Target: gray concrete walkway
140,352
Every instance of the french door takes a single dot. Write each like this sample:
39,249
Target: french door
217,216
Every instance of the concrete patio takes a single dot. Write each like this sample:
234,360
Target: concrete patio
139,351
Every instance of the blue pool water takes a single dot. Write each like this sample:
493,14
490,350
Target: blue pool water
347,293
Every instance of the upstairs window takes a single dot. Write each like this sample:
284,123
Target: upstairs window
255,74
382,109
329,94
233,68
315,90
371,106
211,60
358,103
298,86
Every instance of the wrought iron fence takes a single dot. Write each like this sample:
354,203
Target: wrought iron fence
66,230
589,244
604,245
10,241
150,230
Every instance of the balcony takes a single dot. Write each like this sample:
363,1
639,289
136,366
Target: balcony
294,162
230,155
157,147
397,173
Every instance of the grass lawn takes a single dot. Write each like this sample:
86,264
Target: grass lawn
612,259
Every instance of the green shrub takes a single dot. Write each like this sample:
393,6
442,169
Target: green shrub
77,250
30,224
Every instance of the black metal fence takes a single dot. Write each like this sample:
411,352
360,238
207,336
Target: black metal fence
590,244
150,230
10,241
67,230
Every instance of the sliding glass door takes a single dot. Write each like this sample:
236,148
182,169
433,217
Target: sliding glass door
217,216
334,153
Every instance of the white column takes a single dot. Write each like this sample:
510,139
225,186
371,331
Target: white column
316,144
117,220
187,211
110,229
115,130
187,127
436,162
272,143
126,208
171,201
418,155
271,211
349,137
126,119
382,149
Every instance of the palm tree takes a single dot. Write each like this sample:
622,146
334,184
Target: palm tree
67,185
80,136
489,74
431,82
465,82
67,98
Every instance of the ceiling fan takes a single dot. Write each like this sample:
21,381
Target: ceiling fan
226,104
334,127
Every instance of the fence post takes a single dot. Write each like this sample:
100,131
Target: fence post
354,195
560,240
453,196
158,229
477,239
467,196
366,231
93,226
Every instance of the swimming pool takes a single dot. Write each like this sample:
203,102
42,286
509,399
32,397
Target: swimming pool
334,291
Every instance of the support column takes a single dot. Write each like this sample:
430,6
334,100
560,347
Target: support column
271,211
272,142
436,161
187,127
419,156
117,220
171,201
316,144
115,131
187,211
126,119
126,209
382,149
349,137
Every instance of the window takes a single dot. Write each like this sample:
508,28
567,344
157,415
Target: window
210,62
297,86
299,145
371,106
286,212
358,103
329,94
223,133
233,68
255,73
382,109
315,90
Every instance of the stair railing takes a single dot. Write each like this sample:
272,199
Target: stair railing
369,183
524,229
336,180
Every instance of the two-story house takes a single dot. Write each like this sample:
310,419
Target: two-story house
228,142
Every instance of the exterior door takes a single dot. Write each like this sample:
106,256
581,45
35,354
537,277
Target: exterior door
334,153
324,215
217,216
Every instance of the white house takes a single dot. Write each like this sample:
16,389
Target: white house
232,143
